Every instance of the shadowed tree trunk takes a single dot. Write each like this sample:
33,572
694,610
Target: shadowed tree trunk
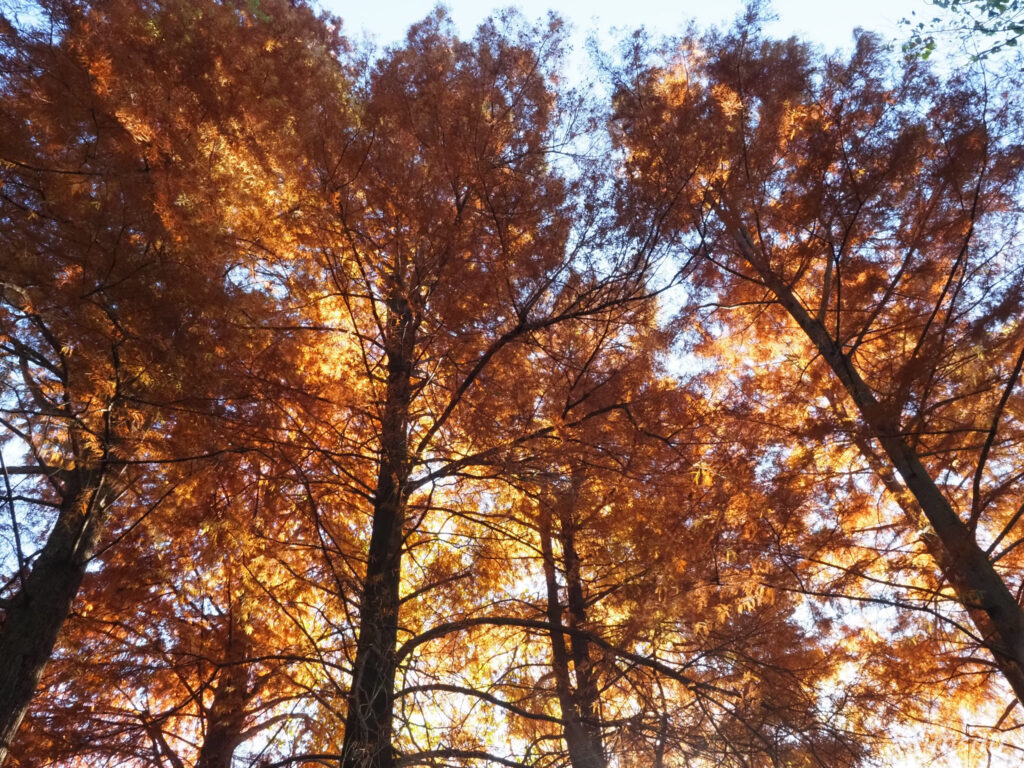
917,520
997,615
368,724
225,718
579,701
37,611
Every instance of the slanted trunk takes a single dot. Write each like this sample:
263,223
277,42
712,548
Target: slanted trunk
368,723
39,609
995,612
579,702
916,519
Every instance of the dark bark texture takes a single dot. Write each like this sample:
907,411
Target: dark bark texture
578,700
995,612
39,609
369,721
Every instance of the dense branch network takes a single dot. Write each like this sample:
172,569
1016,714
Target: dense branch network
374,409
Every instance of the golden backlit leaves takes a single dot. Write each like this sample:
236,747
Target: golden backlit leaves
263,213
870,212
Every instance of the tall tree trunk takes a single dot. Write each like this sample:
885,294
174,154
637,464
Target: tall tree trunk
39,609
997,615
225,718
579,702
917,520
587,696
368,723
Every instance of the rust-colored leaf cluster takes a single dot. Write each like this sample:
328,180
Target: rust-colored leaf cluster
379,409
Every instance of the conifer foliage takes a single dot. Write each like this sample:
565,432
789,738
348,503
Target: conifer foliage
376,409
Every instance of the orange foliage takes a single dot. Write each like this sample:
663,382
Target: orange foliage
353,415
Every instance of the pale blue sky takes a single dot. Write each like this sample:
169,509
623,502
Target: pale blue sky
827,22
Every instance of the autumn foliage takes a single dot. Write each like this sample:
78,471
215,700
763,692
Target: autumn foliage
396,408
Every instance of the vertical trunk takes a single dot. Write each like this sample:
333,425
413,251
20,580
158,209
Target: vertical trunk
996,613
659,744
37,612
578,703
587,697
368,724
225,718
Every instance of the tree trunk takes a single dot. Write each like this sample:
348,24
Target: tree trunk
916,518
368,724
587,696
225,718
39,609
579,703
965,564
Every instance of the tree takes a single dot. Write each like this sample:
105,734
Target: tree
446,258
118,306
624,617
873,206
1000,20
365,435
182,650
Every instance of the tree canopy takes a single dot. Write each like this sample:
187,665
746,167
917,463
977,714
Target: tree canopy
988,26
412,407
